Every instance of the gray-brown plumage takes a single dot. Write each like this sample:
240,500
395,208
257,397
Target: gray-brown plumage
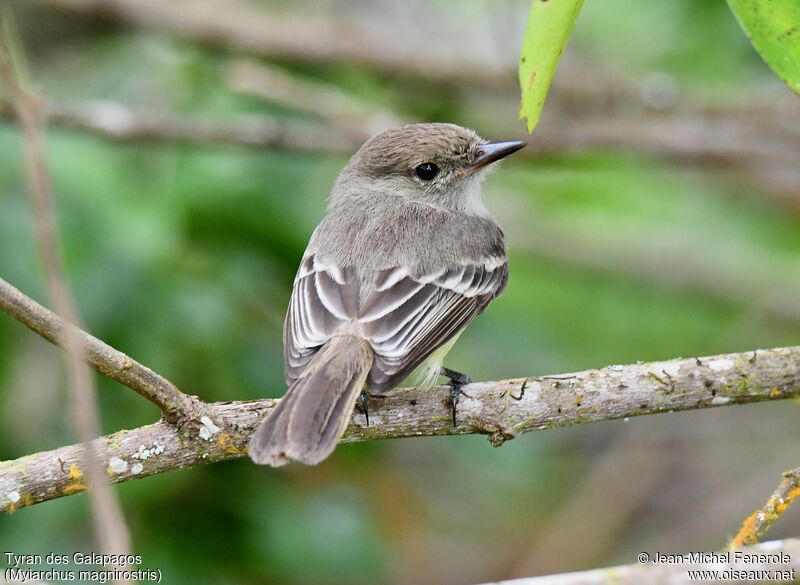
405,257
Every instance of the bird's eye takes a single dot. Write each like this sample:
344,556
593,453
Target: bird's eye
427,171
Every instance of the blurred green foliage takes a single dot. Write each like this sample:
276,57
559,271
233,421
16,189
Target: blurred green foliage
183,257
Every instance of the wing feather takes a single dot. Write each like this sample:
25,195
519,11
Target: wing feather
319,306
382,302
417,325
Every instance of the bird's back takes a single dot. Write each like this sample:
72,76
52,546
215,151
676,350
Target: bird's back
373,232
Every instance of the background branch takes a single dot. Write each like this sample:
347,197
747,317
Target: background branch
752,140
746,148
669,574
120,123
316,38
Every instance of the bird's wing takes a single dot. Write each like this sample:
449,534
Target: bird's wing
324,299
405,315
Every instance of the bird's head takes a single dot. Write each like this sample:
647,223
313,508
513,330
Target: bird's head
441,164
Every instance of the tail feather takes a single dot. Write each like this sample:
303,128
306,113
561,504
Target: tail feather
308,422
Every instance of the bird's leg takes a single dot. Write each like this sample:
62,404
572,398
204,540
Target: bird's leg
457,380
363,399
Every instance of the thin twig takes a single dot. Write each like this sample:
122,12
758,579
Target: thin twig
111,530
176,406
757,524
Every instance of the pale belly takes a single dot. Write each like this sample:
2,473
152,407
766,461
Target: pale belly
428,371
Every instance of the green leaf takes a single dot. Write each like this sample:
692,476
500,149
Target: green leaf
773,27
549,25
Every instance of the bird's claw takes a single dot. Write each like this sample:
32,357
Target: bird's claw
363,400
457,380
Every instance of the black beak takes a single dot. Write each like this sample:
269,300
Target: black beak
486,154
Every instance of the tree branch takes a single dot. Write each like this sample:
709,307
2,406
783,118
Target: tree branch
501,409
757,524
114,364
671,573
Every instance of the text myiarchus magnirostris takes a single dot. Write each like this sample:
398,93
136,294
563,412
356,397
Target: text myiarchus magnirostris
404,258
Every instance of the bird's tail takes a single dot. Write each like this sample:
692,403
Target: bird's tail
310,419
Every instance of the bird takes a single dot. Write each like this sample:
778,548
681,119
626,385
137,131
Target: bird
405,257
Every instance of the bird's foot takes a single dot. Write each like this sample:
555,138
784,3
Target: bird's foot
457,380
363,400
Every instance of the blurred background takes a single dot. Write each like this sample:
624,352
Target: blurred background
193,143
